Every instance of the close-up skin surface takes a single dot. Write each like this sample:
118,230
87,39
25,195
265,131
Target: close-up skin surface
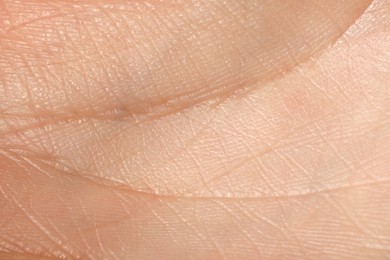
195,129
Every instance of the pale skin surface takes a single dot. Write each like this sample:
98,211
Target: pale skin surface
195,129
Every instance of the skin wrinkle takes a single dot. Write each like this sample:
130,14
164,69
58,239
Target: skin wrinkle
125,188
99,218
201,96
80,115
217,200
270,148
125,113
276,146
37,224
119,186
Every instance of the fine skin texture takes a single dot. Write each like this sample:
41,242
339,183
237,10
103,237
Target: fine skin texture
195,129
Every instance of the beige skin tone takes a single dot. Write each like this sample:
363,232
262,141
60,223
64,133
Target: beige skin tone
195,129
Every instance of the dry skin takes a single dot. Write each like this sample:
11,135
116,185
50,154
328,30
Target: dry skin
195,129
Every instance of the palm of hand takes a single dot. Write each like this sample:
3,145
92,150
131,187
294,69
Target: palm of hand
180,129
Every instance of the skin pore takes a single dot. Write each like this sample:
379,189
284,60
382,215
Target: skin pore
194,129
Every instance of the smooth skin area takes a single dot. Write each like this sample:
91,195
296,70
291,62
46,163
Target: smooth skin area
195,129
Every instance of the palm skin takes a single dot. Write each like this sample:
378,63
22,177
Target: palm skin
194,129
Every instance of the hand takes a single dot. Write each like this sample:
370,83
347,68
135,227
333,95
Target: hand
195,129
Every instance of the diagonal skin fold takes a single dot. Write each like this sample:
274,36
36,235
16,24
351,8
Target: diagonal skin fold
270,43
207,129
139,57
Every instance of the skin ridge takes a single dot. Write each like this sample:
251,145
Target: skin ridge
158,113
344,222
43,165
184,101
50,119
241,92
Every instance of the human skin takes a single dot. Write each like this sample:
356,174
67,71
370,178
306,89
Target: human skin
195,129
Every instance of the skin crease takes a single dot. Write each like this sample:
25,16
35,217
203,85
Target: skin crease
194,129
